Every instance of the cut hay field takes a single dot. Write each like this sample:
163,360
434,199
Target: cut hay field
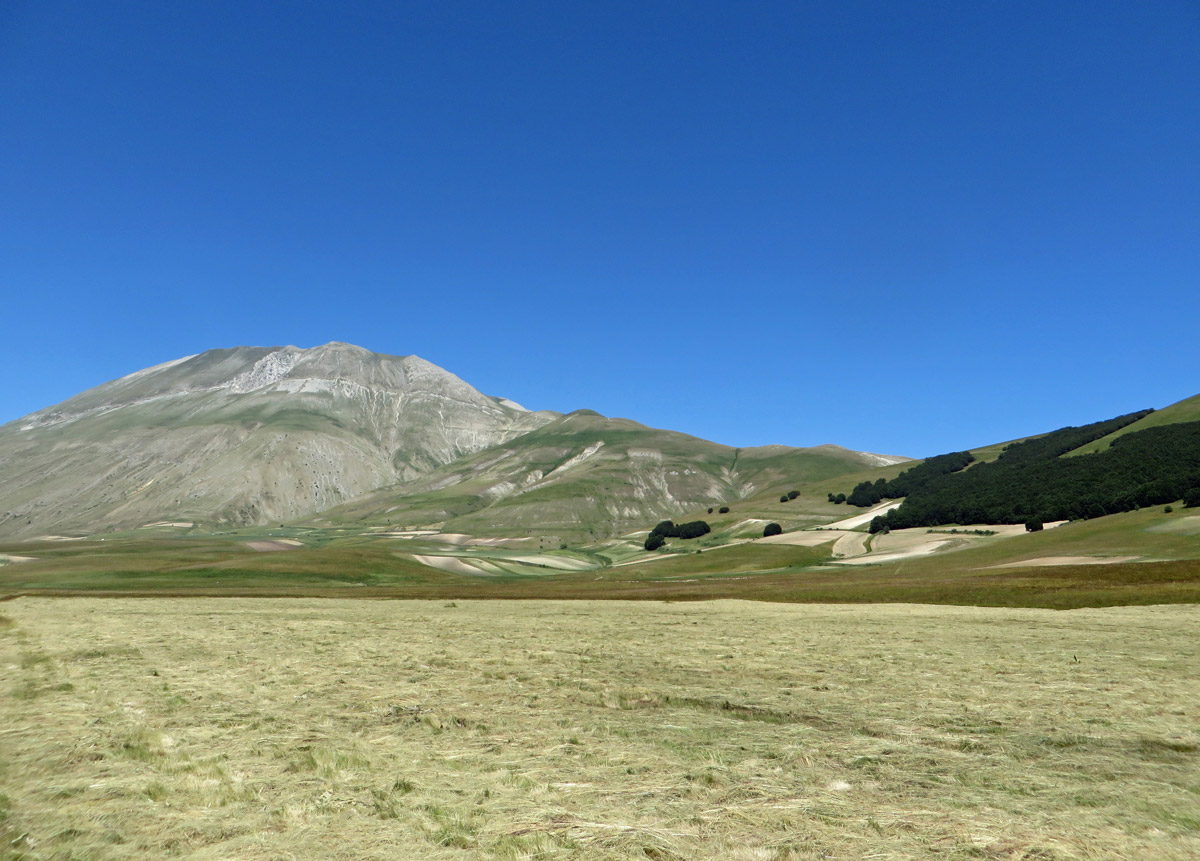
336,729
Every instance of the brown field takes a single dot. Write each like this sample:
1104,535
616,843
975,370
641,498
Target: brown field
337,729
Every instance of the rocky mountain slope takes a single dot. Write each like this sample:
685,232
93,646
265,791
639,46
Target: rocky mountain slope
242,436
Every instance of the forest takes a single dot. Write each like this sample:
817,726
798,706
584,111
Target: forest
1032,482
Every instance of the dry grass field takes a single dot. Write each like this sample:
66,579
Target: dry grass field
337,729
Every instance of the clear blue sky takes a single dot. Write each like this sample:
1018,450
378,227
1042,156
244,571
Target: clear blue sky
899,227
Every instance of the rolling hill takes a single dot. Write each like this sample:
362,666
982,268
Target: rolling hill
584,476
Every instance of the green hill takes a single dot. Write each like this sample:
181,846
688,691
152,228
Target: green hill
1032,480
1187,410
586,477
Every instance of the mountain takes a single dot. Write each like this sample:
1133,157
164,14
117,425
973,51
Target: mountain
242,436
262,435
584,475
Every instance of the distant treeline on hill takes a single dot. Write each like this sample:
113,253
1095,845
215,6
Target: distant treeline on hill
694,529
667,529
1031,481
867,494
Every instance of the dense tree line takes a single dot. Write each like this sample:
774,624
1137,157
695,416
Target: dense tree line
1030,482
869,493
694,529
932,470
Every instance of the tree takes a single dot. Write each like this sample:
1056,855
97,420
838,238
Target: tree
1191,498
783,498
772,529
724,509
1033,526
792,494
654,541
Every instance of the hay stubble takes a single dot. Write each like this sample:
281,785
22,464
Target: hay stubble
259,729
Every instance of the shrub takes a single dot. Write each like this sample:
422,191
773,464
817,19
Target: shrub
772,529
792,494
724,509
783,498
654,541
710,511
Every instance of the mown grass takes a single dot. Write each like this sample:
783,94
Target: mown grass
370,730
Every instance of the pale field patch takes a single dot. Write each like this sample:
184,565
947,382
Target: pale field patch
455,564
919,539
857,548
1187,525
866,517
850,544
274,545
922,549
804,537
1050,561
330,729
562,563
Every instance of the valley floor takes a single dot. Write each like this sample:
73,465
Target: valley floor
330,729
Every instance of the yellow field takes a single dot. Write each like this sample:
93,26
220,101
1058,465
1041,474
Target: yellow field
310,729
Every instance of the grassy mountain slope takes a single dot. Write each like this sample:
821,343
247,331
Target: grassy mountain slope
1031,481
1187,410
587,476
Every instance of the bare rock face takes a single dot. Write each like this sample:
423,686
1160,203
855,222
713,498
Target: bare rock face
242,436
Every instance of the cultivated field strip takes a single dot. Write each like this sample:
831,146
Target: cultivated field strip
329,729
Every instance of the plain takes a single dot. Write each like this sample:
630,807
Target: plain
281,729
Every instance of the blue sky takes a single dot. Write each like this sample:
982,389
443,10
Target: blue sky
899,227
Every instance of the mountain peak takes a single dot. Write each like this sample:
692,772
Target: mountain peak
243,435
